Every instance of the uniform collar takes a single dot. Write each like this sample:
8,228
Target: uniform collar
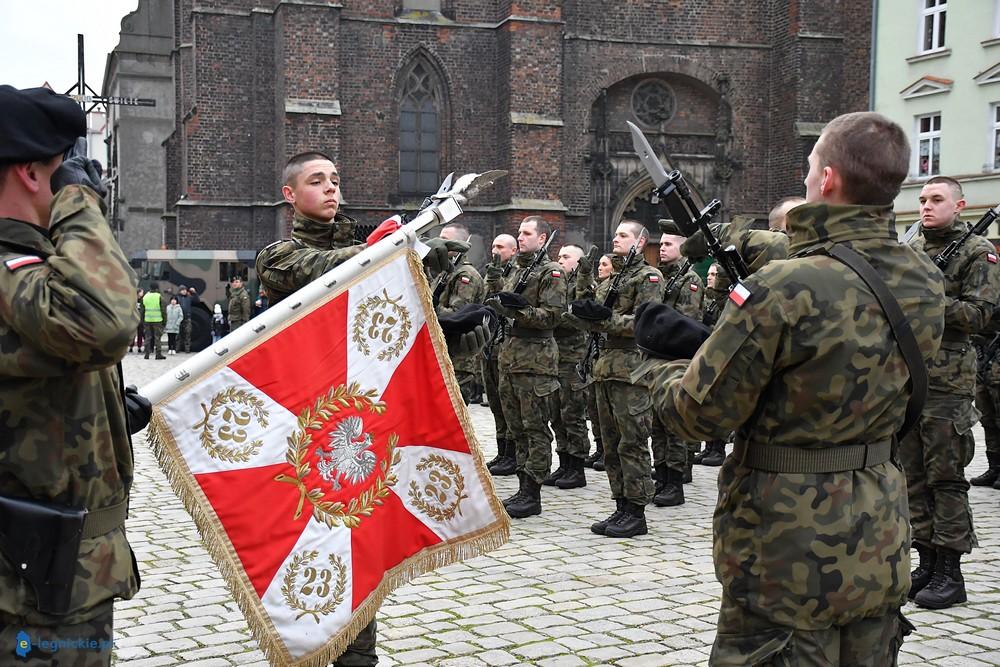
945,234
25,236
810,225
337,233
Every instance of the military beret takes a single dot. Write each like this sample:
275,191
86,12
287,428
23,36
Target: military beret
465,319
662,332
668,226
36,124
590,310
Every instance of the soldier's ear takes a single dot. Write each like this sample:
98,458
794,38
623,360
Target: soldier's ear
288,193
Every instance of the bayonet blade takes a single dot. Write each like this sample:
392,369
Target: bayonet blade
445,184
646,155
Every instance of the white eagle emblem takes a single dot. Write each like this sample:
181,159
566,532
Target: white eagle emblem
348,456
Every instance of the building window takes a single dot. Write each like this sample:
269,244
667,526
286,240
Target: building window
995,136
419,131
932,24
653,103
929,145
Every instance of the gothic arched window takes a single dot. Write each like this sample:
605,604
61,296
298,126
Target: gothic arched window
419,131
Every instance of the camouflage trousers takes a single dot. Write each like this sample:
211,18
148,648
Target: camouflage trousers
934,456
154,332
360,652
466,383
988,403
744,639
184,340
592,411
569,414
625,416
527,405
84,644
668,449
491,384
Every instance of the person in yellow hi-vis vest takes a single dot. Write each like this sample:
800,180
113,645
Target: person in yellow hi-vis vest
153,316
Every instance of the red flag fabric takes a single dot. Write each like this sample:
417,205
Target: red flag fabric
330,462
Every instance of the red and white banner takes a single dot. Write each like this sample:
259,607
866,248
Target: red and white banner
332,461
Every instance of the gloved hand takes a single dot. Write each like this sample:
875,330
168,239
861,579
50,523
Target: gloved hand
137,408
494,271
590,310
512,300
695,247
662,332
588,261
386,228
469,343
437,259
573,322
79,171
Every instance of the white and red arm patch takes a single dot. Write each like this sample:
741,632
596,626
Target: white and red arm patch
992,258
693,287
739,295
654,279
16,263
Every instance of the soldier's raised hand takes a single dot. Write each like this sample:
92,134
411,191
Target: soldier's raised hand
79,170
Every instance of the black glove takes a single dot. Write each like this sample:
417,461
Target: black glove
590,310
469,343
494,271
662,332
79,171
138,409
587,262
695,247
466,331
511,300
437,260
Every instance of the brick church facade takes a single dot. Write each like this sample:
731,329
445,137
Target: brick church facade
401,92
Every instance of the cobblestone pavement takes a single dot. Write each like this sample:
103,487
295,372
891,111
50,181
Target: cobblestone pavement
554,595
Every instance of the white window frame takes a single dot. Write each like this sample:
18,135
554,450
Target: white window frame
932,137
996,18
936,15
992,158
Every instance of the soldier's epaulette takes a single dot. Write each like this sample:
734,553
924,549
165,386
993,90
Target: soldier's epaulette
280,241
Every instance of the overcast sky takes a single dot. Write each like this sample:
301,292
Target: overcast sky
38,40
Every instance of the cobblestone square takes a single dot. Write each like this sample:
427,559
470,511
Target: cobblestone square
555,595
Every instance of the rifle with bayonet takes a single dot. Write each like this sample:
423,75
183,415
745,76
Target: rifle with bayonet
519,287
674,192
439,282
985,358
942,260
586,365
673,281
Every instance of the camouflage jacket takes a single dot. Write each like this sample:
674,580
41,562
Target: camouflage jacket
714,302
756,246
315,248
572,342
546,294
809,361
687,292
972,288
239,306
641,283
66,320
462,286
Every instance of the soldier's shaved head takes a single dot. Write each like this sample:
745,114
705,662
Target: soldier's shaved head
629,233
295,163
505,246
455,231
776,218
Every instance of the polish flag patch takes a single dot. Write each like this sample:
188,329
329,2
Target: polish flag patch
654,279
26,260
739,295
693,287
991,258
465,280
556,274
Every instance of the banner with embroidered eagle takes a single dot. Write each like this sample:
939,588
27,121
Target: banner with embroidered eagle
331,461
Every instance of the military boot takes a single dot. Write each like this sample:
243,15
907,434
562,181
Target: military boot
988,478
550,480
631,522
530,501
588,461
715,453
601,526
501,448
508,464
660,475
672,492
599,461
947,587
574,477
921,576
996,484
700,455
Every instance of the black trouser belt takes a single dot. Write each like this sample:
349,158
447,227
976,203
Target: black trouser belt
530,333
841,458
619,343
954,337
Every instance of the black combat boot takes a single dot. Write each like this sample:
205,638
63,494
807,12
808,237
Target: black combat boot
660,475
507,465
599,461
672,492
550,479
631,522
501,448
530,501
601,526
988,478
574,477
922,574
588,461
715,453
947,587
700,455
996,484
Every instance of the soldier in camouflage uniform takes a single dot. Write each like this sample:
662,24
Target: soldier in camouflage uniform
529,362
623,406
777,217
683,291
505,462
239,304
811,538
988,398
569,416
934,454
323,238
459,288
67,316
596,460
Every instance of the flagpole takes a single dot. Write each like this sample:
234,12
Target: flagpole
443,211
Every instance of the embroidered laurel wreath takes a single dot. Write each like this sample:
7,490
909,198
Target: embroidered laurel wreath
317,580
444,475
208,435
382,315
334,513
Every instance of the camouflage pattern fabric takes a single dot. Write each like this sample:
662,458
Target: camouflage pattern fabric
239,308
48,646
988,387
491,384
528,401
462,287
154,337
569,414
756,246
361,652
936,452
714,302
687,293
668,449
65,323
809,361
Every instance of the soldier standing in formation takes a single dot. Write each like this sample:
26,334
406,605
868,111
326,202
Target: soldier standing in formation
461,287
683,291
623,406
595,460
797,338
988,399
569,416
239,304
529,362
935,453
505,462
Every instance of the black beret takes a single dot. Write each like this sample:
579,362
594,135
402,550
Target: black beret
590,310
37,124
662,332
465,319
668,226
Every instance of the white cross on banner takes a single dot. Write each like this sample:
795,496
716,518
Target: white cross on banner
330,461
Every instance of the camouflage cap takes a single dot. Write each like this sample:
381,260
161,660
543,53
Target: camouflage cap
36,124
